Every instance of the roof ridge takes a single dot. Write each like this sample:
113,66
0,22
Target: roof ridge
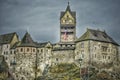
8,33
92,34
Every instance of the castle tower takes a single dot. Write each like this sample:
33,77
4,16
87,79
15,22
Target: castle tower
67,25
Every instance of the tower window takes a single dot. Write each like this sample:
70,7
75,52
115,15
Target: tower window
33,50
27,49
21,49
65,45
69,32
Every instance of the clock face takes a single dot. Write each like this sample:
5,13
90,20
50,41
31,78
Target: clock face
67,38
67,21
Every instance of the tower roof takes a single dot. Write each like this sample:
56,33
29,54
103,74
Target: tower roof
27,41
73,13
68,7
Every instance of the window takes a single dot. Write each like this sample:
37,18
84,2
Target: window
21,49
60,45
6,58
108,57
67,16
104,57
41,50
38,51
99,45
95,55
7,46
104,48
82,45
10,52
4,53
16,75
65,45
27,49
82,56
82,52
33,50
20,68
49,57
95,35
56,59
14,52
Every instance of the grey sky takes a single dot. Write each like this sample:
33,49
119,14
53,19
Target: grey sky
41,17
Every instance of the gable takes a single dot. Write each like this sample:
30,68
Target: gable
67,15
67,18
6,38
48,45
14,39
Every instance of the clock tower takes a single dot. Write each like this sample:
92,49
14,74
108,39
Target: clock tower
67,25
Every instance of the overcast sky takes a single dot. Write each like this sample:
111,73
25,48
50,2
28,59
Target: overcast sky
41,17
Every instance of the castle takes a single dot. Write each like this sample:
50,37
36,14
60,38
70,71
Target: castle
26,56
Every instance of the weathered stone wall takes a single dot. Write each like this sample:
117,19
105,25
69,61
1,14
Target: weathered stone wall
95,51
62,56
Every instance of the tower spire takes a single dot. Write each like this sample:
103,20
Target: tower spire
68,6
68,2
